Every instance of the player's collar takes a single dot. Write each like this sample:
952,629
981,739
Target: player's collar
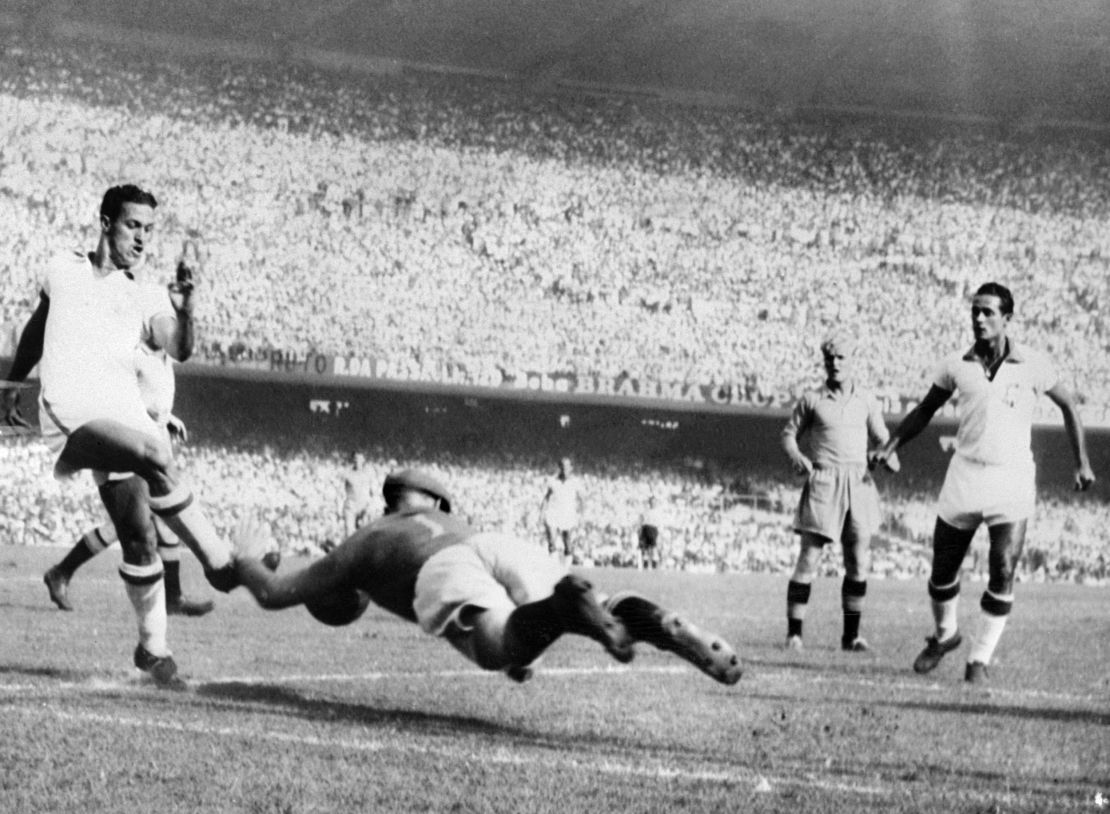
1015,353
846,390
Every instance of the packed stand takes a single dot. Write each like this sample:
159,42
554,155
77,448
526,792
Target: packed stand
743,526
461,230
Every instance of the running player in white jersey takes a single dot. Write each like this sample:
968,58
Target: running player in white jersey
498,600
93,312
991,477
157,385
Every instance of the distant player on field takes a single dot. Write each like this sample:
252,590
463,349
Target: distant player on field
560,509
991,477
651,524
840,421
357,492
498,600
154,369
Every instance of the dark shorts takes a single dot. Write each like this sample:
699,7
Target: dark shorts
649,536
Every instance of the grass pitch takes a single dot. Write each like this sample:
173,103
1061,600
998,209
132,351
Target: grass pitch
281,714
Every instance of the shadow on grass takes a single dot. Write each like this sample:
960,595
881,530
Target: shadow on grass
431,723
330,710
970,707
38,671
32,607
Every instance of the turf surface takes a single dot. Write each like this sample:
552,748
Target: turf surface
280,714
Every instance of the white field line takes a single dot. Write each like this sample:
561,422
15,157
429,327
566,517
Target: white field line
757,679
496,755
761,680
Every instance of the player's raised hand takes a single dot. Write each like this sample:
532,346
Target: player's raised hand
185,276
1084,478
251,539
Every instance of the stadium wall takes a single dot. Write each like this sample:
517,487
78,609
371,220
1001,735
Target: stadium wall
235,406
231,406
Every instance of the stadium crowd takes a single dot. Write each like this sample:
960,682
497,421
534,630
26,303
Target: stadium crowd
742,525
460,230
457,229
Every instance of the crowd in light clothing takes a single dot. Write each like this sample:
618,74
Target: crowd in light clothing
741,525
459,229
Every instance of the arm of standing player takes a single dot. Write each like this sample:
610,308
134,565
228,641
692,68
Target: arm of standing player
795,427
27,354
174,333
1073,425
912,425
250,542
878,434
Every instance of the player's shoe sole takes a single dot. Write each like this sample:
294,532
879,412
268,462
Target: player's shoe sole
581,613
707,651
57,585
794,643
935,650
183,606
163,669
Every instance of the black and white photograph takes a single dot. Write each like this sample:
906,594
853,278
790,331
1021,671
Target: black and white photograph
528,407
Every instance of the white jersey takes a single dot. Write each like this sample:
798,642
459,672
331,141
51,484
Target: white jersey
96,322
156,381
996,415
562,503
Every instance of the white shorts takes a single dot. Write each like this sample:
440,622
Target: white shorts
488,571
975,493
560,521
58,422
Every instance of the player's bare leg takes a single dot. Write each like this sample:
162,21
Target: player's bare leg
57,579
857,565
141,570
108,445
798,590
1006,543
169,551
573,607
950,546
648,622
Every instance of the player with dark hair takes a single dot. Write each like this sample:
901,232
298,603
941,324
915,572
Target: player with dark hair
94,311
991,477
840,421
498,600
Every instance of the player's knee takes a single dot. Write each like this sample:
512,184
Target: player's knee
156,460
1001,579
138,547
